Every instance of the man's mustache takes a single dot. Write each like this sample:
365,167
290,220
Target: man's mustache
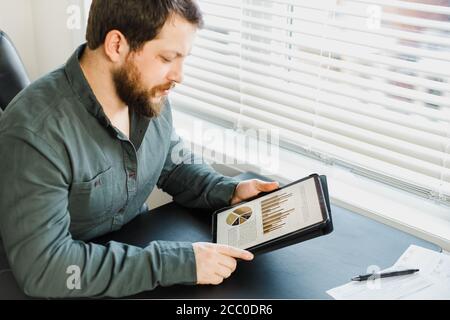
165,87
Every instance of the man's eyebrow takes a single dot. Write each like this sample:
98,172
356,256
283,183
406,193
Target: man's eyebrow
178,54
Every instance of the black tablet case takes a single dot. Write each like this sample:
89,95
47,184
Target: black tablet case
300,236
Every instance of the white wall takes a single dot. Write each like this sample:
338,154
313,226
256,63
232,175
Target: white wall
16,20
54,41
39,30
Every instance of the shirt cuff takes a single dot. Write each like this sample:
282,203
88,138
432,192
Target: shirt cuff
178,263
221,194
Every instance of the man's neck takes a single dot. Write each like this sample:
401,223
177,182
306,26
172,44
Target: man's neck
99,77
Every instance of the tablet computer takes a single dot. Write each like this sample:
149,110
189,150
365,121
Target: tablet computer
294,213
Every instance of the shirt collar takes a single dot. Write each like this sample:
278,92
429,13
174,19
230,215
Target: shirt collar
82,88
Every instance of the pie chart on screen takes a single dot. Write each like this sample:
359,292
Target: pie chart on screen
239,216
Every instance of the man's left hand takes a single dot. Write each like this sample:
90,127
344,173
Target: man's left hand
250,188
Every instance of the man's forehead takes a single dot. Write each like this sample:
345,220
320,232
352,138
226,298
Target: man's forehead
177,29
175,38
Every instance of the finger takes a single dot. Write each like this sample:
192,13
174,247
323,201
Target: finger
223,272
216,280
229,262
234,252
266,186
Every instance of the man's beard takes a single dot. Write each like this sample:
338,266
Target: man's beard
129,88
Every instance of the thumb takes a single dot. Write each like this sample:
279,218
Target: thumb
267,186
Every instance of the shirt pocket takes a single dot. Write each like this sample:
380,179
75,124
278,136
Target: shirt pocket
92,200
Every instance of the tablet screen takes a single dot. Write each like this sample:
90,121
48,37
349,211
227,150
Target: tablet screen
271,216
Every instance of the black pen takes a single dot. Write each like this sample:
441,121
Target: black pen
373,276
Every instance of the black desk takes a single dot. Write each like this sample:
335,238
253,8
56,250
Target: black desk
303,271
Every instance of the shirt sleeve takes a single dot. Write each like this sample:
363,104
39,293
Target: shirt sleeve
192,182
43,256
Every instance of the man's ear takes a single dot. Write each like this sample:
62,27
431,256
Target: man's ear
116,46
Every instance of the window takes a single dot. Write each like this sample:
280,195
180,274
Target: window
362,84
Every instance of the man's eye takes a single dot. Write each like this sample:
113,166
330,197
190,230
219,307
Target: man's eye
166,60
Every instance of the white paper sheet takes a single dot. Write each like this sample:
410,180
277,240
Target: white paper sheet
431,282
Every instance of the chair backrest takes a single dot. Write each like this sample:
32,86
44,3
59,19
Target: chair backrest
13,77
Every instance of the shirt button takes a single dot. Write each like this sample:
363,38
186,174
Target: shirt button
117,220
132,175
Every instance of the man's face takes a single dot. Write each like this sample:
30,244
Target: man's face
146,77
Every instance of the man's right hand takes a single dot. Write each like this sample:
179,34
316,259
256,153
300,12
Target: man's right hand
216,262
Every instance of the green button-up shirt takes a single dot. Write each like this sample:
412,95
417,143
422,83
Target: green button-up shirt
68,175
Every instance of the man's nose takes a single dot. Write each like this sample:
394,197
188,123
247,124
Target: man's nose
176,74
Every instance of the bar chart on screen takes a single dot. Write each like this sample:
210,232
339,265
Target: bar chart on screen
275,210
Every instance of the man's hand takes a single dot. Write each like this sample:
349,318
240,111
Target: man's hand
250,188
216,262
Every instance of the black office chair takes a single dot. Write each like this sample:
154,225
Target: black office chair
13,77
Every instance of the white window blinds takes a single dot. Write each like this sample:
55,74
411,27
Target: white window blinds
361,84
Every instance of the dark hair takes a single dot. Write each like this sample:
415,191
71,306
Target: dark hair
139,20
